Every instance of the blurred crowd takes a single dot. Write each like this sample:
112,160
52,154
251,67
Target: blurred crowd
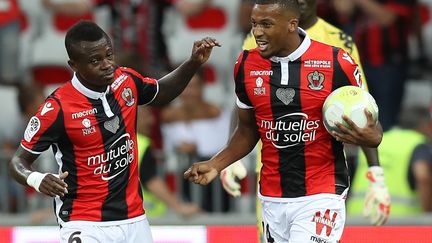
150,36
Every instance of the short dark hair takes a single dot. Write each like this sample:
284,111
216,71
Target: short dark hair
292,5
83,30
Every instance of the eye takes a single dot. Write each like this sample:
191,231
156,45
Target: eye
94,61
110,55
266,25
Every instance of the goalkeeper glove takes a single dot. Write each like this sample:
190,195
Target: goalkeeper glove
377,201
230,177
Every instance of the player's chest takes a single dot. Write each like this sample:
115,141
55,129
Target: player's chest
89,122
289,84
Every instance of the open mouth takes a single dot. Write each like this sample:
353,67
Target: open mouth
262,45
109,74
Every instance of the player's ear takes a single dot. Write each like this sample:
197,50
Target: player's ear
293,24
72,65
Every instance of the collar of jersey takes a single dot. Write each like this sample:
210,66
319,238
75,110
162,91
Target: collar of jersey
88,92
298,52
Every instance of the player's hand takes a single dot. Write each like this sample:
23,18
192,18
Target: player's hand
202,49
230,177
201,173
377,201
369,136
54,185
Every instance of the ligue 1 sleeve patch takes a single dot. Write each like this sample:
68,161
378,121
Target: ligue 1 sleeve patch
32,128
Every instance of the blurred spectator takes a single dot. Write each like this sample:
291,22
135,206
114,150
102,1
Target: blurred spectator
136,28
43,57
9,36
407,162
207,17
186,127
29,97
156,189
381,30
75,7
190,7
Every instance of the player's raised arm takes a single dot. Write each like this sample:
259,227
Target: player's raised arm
171,85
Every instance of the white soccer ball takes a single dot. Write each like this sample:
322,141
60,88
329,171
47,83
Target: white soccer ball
350,101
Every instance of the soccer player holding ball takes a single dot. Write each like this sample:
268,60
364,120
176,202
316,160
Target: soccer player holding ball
318,29
281,87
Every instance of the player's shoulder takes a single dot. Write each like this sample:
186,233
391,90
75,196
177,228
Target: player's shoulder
62,92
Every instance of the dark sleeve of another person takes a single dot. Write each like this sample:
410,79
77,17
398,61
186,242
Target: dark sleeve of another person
421,152
147,169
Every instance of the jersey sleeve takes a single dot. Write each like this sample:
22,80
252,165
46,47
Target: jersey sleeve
346,70
239,77
44,128
147,167
147,88
356,56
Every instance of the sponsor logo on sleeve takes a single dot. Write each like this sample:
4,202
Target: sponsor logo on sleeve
118,81
32,128
46,108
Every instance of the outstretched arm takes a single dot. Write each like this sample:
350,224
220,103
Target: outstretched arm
171,85
243,140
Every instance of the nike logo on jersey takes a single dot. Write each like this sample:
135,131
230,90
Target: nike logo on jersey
46,108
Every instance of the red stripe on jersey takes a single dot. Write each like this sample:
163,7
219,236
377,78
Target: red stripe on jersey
263,111
319,163
91,190
129,115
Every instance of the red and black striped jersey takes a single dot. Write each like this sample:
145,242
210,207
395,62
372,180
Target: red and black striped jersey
299,156
93,136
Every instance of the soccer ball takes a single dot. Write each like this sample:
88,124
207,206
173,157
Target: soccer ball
350,101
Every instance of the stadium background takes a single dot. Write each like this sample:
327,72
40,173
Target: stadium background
43,59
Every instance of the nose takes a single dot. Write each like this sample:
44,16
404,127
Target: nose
257,31
107,64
